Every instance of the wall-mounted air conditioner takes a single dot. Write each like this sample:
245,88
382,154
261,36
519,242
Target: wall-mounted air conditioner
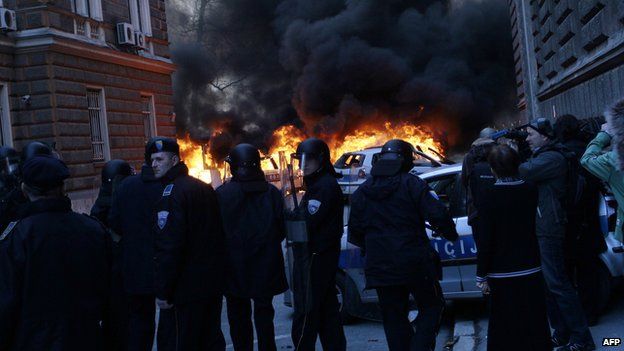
140,40
125,34
7,19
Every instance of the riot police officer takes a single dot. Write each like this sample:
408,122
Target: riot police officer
113,173
253,221
132,217
388,214
315,273
10,194
55,269
189,256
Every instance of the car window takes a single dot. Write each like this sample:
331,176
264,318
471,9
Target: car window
350,160
449,190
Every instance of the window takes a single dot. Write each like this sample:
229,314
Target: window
88,8
350,160
140,16
149,116
5,123
99,127
450,192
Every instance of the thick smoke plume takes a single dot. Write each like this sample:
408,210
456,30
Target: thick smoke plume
329,66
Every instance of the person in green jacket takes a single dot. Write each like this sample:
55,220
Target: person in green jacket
609,165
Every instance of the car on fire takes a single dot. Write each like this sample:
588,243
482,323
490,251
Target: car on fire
458,258
354,167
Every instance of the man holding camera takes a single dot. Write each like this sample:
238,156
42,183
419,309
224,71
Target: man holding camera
548,169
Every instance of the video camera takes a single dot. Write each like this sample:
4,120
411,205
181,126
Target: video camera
516,134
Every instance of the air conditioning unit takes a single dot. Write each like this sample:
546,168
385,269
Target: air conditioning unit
7,19
125,34
140,40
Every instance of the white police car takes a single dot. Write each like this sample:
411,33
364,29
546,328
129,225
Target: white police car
356,166
458,258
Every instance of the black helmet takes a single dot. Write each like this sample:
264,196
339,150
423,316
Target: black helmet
36,148
114,168
9,159
317,150
396,156
244,160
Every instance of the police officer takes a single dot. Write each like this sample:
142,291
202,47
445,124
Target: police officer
322,208
388,214
189,256
132,217
112,173
55,269
11,196
252,212
35,148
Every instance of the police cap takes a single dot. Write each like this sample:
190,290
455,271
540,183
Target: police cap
44,172
161,144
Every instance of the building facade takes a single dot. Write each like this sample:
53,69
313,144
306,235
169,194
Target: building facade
91,76
569,56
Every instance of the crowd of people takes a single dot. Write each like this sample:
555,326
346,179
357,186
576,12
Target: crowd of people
164,240
533,206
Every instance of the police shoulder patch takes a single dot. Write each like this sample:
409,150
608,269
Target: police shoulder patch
8,230
162,219
313,206
168,190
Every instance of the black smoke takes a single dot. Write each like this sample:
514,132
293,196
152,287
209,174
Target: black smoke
249,66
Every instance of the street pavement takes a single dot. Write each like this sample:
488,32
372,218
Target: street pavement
464,327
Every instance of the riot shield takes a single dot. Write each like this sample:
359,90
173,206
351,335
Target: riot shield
299,260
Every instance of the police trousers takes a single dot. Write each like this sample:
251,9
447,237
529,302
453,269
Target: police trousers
394,303
239,314
193,326
141,322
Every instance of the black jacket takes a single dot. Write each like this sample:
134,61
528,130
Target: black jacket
253,222
508,243
54,283
479,181
472,169
387,220
323,208
11,204
189,240
132,217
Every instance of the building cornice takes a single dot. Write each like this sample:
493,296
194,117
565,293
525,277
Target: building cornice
52,39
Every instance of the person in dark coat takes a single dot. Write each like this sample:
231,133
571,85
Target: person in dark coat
584,240
315,273
11,196
55,268
189,256
388,214
132,218
252,211
112,173
548,169
508,259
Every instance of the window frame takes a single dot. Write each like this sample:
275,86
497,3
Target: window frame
103,121
152,115
88,8
140,16
6,128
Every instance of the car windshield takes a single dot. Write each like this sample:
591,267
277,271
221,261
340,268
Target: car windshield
349,160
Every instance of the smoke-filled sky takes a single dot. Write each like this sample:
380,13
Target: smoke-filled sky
328,66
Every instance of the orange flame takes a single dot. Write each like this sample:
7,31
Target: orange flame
286,138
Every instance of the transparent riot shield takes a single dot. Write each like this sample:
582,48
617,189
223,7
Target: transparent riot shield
298,256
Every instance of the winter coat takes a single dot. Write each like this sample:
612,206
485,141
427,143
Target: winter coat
604,166
473,167
54,280
548,168
132,217
387,220
189,240
253,221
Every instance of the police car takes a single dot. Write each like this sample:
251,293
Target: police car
458,258
354,167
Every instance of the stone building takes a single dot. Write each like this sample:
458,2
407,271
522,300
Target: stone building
569,56
91,76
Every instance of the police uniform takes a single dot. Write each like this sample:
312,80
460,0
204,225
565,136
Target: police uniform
388,214
189,259
55,268
253,220
132,217
322,207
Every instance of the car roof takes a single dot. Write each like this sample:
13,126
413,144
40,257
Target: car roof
440,171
